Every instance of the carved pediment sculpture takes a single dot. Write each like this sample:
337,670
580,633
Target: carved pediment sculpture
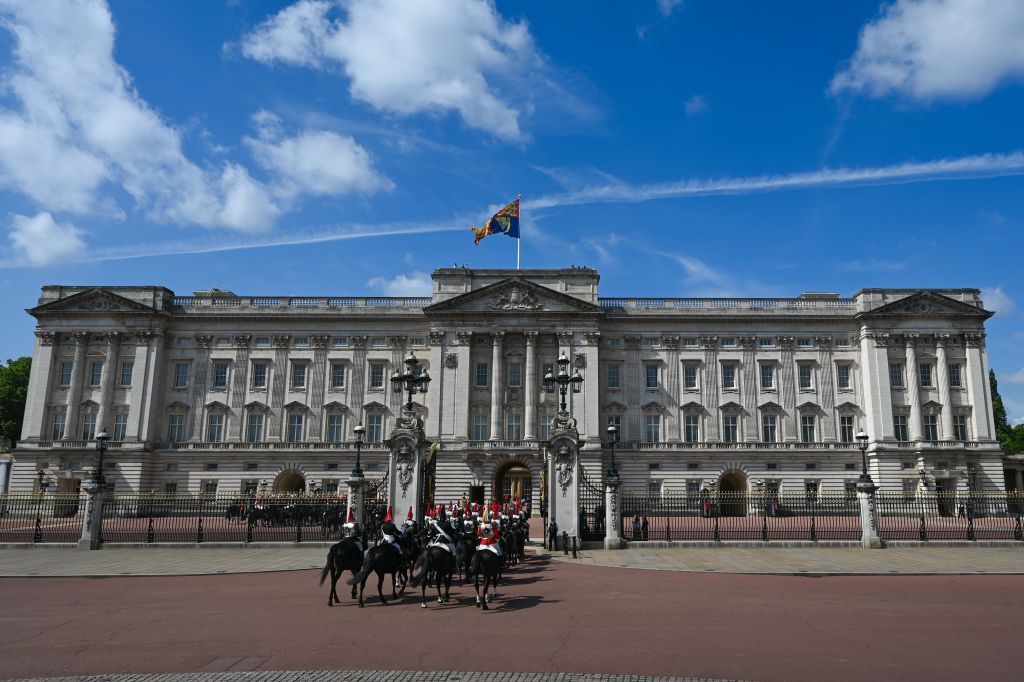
405,465
928,304
517,298
565,463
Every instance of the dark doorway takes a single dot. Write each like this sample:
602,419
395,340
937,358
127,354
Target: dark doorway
476,494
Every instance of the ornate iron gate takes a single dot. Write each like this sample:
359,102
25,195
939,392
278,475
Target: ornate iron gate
591,502
375,506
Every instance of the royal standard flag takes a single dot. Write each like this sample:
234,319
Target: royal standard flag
505,221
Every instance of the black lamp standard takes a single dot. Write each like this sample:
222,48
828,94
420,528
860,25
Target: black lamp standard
613,438
410,381
359,431
563,380
864,481
101,445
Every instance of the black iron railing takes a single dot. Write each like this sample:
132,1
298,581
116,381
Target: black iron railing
950,516
41,517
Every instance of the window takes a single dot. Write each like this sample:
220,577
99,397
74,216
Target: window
88,427
120,427
909,489
842,376
184,341
376,375
374,428
254,466
515,375
126,372
210,466
690,375
767,376
729,342
806,373
337,375
931,427
215,428
95,373
954,375
545,426
180,375
803,343
766,342
331,486
811,491
302,341
654,487
653,428
769,428
224,342
807,428
209,487
220,376
57,426
615,376
692,466
170,488
176,428
298,375
730,428
262,341
171,466
481,426
850,466
959,427
651,375
64,377
417,341
728,376
691,428
546,369
259,375
335,428
924,372
906,465
295,422
899,427
481,375
339,341
332,466
846,429
772,466
692,488
689,342
896,374
378,341
513,427
254,428
250,486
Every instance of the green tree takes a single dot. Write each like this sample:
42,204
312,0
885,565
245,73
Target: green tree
13,391
1011,438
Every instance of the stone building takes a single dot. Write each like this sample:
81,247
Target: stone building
217,392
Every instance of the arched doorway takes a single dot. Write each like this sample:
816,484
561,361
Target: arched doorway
514,480
290,481
732,491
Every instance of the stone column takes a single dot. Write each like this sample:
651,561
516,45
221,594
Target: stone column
197,394
978,388
497,433
787,390
633,430
107,382
913,391
868,516
709,388
749,383
71,426
239,384
146,389
35,426
673,386
530,401
826,388
356,491
613,518
278,385
942,376
318,373
357,385
462,363
438,399
92,526
877,400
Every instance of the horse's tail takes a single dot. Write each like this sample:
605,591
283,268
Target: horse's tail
474,565
364,571
327,566
419,569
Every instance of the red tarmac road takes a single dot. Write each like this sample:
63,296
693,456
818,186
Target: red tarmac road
549,617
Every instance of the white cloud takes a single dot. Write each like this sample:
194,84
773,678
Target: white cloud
695,105
929,49
1015,378
666,7
418,284
40,240
80,124
317,162
872,265
997,300
407,57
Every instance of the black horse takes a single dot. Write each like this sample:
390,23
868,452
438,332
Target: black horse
380,560
487,562
435,562
343,556
465,546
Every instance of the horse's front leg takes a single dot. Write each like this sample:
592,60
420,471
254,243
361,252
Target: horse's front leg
380,588
333,596
354,573
483,603
362,585
476,586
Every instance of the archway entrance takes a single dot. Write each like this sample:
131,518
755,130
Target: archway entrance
513,480
732,489
290,482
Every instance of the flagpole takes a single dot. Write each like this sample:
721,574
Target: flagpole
519,198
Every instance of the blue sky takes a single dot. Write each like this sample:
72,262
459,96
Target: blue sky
690,148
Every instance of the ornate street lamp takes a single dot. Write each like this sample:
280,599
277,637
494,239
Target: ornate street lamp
359,431
101,445
563,380
613,438
864,481
410,381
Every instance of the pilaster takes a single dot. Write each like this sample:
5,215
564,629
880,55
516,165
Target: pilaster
239,383
497,339
463,387
748,387
826,388
72,430
977,386
275,428
197,394
34,426
634,378
531,386
913,390
787,392
673,387
942,376
317,387
107,381
709,388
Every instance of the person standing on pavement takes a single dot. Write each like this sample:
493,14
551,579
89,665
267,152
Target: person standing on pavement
552,535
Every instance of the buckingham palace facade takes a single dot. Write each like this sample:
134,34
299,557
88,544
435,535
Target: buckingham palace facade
217,392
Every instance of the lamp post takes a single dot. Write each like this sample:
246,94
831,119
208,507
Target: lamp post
410,381
101,445
866,493
864,481
359,430
613,438
563,380
44,483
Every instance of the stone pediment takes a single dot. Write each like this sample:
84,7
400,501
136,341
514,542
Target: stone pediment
296,406
515,295
692,406
93,301
615,407
847,407
375,406
770,406
653,406
216,405
256,406
335,406
177,405
927,304
809,406
731,406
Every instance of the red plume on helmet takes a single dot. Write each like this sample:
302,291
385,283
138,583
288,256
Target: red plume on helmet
351,516
389,517
409,515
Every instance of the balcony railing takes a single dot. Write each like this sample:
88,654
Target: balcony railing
728,303
203,445
192,303
504,445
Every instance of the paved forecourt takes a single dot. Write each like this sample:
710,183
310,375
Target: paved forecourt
376,676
